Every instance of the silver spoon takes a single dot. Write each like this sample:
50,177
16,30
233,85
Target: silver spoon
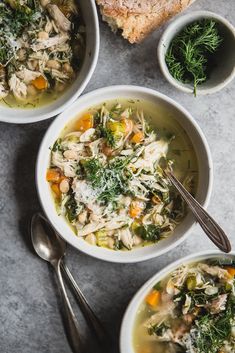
46,241
208,224
52,249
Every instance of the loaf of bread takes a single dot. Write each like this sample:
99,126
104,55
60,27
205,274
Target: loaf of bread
137,18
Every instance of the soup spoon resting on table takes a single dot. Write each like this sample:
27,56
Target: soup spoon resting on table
208,224
50,247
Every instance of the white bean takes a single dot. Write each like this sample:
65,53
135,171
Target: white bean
43,35
53,64
82,217
44,2
64,186
70,154
68,68
91,239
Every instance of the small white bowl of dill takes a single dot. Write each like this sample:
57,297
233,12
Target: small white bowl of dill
196,52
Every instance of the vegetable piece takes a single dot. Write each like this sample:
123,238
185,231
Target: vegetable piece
191,282
85,122
71,208
113,132
40,83
231,271
116,126
138,137
53,175
56,189
153,298
136,208
102,238
109,137
150,232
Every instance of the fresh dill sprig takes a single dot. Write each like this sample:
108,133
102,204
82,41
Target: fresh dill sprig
108,135
190,53
110,180
212,330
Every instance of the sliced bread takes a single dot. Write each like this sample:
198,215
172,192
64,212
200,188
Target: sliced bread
137,18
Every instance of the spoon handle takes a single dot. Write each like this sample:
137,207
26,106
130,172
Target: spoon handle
208,224
89,315
71,324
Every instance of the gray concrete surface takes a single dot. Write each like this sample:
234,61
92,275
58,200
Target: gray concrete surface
30,321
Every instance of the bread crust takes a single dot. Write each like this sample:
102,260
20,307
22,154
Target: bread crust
138,18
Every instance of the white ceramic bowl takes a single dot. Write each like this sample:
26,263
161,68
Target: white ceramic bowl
24,116
128,322
97,97
224,71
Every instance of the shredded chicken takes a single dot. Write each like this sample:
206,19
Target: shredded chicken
116,179
61,21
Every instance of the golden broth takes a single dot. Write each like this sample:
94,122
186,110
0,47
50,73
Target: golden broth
181,150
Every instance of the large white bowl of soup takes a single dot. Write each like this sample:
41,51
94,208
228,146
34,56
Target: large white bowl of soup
100,173
189,306
48,53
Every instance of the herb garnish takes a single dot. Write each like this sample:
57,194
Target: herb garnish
108,135
212,331
150,232
191,52
71,208
111,180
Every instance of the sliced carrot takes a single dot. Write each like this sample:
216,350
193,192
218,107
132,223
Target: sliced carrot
85,122
56,189
135,209
128,125
153,298
40,82
231,271
53,175
137,137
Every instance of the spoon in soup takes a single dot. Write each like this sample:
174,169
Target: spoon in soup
208,224
50,247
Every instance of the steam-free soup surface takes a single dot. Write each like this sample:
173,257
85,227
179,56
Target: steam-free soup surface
107,178
191,310
41,50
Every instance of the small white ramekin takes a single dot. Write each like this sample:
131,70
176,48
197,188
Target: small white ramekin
224,70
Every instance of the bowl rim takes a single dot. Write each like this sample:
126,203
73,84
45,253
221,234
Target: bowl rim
171,31
40,117
94,251
126,330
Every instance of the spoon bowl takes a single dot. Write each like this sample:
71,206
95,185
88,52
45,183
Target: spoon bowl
47,244
50,247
